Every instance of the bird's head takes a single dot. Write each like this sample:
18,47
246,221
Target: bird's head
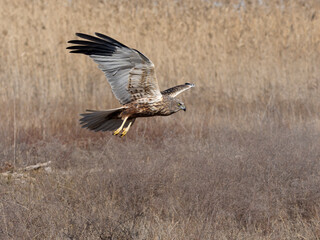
178,105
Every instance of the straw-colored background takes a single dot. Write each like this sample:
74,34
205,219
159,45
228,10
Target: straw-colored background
246,63
254,112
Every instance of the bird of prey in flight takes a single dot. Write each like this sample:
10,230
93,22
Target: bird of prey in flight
133,81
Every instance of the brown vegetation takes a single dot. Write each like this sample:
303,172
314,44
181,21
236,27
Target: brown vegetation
241,163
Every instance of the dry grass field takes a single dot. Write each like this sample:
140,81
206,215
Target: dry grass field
242,163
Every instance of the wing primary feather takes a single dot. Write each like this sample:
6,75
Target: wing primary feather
95,46
109,39
89,52
90,44
89,47
91,38
174,91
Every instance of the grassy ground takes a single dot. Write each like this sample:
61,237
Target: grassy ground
241,163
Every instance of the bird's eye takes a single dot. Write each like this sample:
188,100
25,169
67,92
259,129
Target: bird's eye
179,104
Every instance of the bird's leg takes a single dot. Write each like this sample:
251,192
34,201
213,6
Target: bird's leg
125,130
116,132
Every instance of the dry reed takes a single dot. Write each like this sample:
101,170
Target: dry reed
241,163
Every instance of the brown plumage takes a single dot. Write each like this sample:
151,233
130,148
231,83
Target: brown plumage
133,81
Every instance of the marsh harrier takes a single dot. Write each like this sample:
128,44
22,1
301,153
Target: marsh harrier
133,81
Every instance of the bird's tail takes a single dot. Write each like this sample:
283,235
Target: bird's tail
107,120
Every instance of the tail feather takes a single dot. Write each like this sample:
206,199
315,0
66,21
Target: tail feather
107,120
109,125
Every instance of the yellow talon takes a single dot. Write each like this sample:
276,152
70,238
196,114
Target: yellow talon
125,130
116,132
124,133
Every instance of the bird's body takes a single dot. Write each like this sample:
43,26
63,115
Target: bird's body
133,82
150,108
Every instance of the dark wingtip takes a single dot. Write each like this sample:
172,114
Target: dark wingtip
100,35
190,84
80,34
110,39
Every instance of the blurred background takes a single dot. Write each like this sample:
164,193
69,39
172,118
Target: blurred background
256,67
250,60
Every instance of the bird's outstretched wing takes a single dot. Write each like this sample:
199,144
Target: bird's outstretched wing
174,91
130,74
